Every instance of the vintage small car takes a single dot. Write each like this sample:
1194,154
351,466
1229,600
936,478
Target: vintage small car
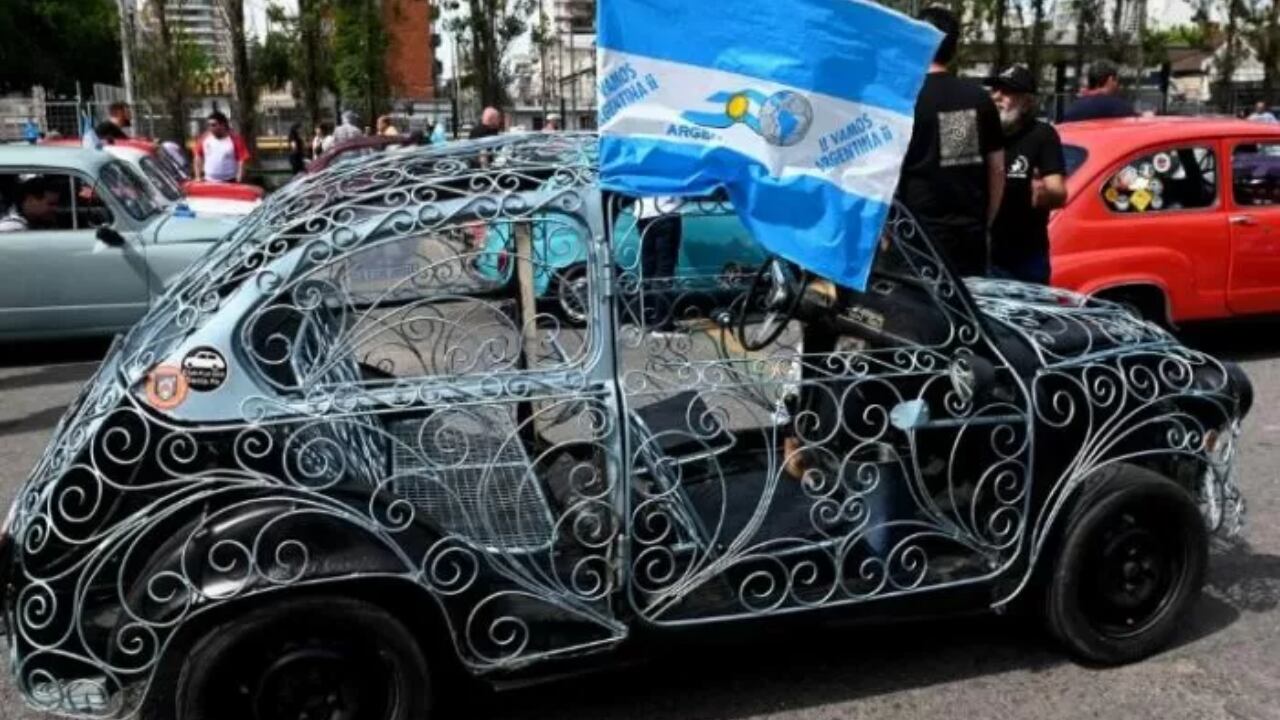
1172,217
298,490
109,253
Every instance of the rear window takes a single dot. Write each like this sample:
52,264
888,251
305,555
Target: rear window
1075,157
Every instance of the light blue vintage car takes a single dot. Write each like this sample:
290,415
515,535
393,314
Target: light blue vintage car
97,267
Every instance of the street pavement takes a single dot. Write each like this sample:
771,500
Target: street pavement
1225,663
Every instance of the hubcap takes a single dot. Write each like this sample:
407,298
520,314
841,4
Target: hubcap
1135,566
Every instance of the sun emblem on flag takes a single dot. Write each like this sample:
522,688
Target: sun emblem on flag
782,119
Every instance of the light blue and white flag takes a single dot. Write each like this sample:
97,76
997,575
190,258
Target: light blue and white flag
801,109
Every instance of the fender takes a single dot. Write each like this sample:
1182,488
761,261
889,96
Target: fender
1171,272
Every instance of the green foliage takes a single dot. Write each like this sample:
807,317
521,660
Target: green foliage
484,31
54,43
359,48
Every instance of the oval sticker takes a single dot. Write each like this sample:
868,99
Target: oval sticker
166,387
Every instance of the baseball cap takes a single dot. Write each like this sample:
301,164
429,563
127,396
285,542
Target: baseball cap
1014,78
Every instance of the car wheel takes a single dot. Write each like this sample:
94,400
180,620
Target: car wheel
319,657
1131,563
570,292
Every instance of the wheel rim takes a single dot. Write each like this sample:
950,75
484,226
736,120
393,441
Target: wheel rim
318,678
1138,565
573,297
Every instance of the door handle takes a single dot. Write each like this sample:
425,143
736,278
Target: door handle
1245,220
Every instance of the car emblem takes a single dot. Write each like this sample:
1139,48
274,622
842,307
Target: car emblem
166,387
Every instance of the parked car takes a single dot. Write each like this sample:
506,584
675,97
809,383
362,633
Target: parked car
109,255
290,491
1158,220
171,184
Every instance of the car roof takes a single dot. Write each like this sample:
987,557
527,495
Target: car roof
74,158
1157,129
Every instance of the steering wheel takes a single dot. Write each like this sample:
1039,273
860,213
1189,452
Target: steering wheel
775,290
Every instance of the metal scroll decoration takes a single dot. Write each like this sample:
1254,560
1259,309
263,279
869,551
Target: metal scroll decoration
427,342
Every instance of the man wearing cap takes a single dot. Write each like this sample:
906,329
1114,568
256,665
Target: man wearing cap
1034,180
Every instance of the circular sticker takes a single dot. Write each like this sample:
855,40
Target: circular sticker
1156,187
205,369
166,387
1146,170
1162,163
1127,176
1122,203
1157,202
1141,183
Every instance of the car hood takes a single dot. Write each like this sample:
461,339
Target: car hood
174,227
1064,326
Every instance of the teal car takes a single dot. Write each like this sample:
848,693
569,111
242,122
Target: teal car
95,267
714,247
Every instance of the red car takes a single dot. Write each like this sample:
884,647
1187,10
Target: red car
190,188
1159,221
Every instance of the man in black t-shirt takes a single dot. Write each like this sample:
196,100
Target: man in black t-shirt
1034,180
953,173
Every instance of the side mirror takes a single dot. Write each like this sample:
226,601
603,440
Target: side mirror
109,236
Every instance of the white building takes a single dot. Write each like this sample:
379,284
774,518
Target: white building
201,21
560,77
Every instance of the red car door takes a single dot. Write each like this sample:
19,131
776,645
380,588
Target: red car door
1254,214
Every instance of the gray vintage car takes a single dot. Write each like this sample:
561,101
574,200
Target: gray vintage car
336,458
109,253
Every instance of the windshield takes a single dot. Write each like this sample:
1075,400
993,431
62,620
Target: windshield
130,190
1075,157
160,179
167,165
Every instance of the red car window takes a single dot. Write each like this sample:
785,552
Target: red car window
1176,178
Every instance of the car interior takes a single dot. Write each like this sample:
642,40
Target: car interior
79,206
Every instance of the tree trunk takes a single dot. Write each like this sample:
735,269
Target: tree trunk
309,37
173,86
1002,46
1117,32
1227,67
245,106
1037,38
1082,10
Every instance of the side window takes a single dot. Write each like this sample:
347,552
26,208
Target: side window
474,298
1255,174
37,201
88,210
1180,178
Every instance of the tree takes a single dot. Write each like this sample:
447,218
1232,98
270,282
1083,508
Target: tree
484,31
1034,58
298,51
1229,54
359,46
55,43
170,67
244,105
1263,35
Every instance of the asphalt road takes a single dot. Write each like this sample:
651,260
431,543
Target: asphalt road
1225,664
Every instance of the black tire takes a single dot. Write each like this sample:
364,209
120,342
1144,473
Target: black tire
318,657
569,289
1131,563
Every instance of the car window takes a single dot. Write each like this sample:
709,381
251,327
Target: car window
1175,178
1255,173
77,206
1075,157
443,302
159,179
129,189
89,209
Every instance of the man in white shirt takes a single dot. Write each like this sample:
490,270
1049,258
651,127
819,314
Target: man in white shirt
221,155
1262,114
349,129
34,208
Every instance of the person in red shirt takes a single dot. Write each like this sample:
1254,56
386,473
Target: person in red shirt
221,155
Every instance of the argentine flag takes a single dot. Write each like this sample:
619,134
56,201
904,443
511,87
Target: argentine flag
801,109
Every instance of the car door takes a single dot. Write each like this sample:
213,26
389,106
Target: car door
1253,284
61,280
823,468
